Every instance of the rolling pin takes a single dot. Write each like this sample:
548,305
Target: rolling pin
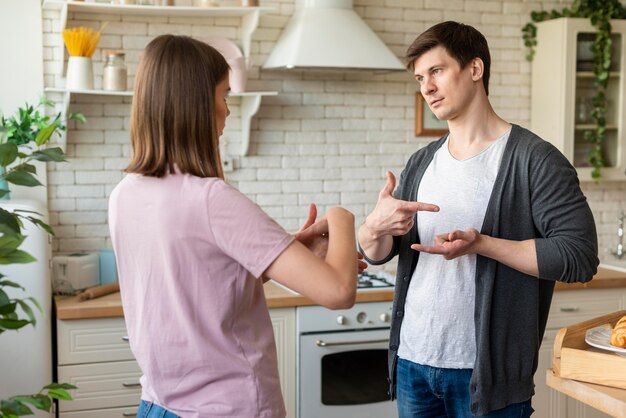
97,291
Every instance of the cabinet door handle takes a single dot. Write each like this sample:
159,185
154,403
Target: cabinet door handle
573,309
131,385
129,414
322,343
125,338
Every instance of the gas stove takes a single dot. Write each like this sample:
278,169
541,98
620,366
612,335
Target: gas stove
378,280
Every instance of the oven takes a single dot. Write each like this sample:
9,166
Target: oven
342,360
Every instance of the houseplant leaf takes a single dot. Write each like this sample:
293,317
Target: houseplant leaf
17,257
12,407
9,222
22,178
41,402
49,154
45,134
8,153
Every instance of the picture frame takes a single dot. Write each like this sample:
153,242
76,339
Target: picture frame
426,123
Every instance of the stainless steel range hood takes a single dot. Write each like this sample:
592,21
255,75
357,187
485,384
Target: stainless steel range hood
328,34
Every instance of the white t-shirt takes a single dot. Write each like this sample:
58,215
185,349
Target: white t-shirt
438,326
189,253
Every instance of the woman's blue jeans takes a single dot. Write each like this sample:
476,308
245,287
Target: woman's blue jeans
152,410
432,392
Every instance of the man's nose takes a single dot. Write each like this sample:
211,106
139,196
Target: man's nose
428,87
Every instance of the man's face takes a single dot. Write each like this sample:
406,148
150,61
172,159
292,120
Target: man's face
447,88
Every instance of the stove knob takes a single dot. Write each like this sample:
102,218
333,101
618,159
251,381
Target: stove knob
341,320
384,317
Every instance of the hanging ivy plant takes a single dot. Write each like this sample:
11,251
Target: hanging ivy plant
600,13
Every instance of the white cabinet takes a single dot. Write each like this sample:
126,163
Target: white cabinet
562,88
248,17
284,324
570,307
94,355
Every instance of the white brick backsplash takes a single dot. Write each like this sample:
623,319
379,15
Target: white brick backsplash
98,177
304,161
61,204
301,186
82,218
81,244
92,231
277,174
61,177
79,191
327,137
322,199
277,199
98,150
251,187
98,204
65,231
355,185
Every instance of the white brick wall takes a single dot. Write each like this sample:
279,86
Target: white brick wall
328,137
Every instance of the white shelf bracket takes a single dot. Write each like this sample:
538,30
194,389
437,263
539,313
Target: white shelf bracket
249,107
249,23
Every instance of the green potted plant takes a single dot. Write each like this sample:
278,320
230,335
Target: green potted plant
600,13
22,141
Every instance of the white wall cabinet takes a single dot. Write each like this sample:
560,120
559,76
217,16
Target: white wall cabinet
570,307
94,355
562,88
249,20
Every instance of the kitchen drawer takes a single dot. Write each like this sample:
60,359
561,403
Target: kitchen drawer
101,385
92,340
574,306
130,411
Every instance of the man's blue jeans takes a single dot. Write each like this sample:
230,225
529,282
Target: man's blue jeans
431,392
152,410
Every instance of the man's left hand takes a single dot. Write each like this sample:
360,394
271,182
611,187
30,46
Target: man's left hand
452,244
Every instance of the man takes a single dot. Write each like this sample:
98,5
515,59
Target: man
476,271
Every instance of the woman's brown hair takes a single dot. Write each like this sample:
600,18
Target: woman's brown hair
173,110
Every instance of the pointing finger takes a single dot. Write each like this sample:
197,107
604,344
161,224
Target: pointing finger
419,206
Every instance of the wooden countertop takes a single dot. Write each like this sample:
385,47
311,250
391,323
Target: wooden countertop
606,399
68,307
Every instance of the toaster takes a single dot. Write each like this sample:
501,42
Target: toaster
72,273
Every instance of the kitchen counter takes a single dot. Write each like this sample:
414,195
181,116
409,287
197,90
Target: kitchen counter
68,307
606,399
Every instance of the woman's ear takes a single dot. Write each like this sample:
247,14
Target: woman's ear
478,69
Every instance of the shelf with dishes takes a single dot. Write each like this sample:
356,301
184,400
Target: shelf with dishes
250,103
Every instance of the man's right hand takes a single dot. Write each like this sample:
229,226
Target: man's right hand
392,216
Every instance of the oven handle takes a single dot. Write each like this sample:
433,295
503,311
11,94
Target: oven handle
322,343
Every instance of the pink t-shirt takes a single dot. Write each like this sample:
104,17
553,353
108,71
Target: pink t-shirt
189,253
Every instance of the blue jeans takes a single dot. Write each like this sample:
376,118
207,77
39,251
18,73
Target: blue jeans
431,392
152,410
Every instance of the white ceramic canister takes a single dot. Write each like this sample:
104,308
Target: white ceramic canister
114,74
79,73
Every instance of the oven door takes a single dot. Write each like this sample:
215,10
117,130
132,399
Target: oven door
344,374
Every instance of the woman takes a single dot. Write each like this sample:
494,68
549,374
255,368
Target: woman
192,252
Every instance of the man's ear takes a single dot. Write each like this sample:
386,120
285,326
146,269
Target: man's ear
478,68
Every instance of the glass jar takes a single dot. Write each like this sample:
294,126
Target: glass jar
114,75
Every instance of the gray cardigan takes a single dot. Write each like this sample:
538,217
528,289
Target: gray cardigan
536,195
